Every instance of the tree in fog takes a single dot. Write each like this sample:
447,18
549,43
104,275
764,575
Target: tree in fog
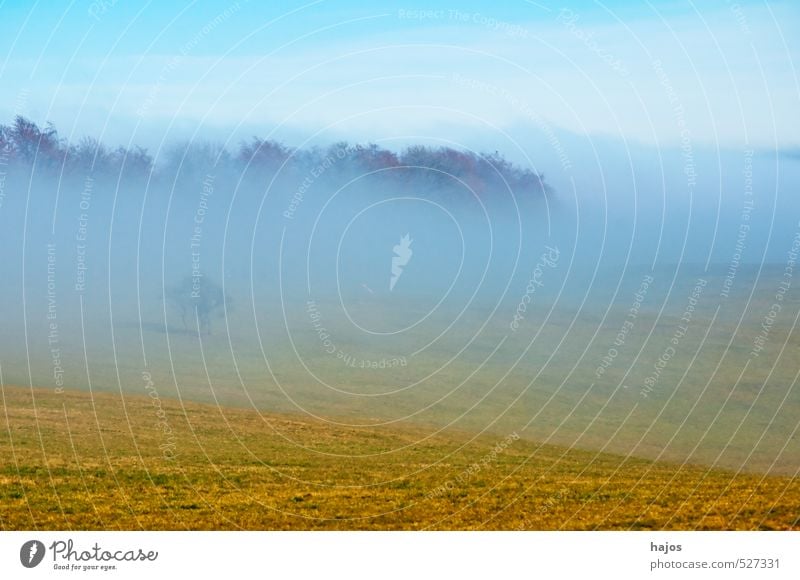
197,300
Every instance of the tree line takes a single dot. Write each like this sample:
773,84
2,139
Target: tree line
24,143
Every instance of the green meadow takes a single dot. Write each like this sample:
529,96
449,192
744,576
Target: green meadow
576,420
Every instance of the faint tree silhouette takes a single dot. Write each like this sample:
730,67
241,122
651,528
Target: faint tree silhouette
197,300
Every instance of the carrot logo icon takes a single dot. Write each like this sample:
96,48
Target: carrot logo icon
402,256
31,554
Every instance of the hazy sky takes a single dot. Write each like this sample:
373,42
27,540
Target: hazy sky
717,72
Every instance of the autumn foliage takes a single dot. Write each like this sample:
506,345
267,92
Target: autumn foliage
23,143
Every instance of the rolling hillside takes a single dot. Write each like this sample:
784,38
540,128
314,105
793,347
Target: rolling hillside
73,460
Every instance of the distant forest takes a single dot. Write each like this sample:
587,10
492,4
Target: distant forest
25,145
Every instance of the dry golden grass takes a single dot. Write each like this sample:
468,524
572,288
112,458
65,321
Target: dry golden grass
76,461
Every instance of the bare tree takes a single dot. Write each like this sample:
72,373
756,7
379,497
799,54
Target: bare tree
197,300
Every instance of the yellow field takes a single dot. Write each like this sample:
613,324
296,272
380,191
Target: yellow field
76,461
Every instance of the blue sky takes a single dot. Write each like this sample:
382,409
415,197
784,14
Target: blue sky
722,71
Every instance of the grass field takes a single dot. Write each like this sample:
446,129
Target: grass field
482,428
73,460
714,402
